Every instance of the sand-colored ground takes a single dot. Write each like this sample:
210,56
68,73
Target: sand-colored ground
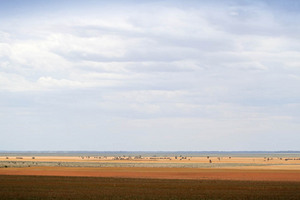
260,168
161,173
234,160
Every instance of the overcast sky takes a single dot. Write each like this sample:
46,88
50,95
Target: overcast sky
149,75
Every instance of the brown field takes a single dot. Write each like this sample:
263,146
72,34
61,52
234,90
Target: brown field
243,178
160,173
51,187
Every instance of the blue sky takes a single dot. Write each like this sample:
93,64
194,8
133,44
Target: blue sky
149,75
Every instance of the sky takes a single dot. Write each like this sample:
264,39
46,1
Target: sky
149,75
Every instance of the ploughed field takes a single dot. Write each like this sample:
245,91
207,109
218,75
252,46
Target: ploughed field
59,187
161,173
125,177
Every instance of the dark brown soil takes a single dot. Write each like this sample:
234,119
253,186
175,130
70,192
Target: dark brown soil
51,187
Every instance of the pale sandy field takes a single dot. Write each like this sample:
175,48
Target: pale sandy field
233,160
259,169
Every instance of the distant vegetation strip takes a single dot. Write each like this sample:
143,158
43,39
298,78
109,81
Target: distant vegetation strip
155,153
6,164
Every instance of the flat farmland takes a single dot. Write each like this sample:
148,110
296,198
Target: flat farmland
286,163
58,187
149,178
160,173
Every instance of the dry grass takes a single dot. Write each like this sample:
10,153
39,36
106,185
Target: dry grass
249,160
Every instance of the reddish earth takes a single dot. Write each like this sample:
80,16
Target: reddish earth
160,173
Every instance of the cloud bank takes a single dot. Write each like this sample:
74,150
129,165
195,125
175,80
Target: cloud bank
151,75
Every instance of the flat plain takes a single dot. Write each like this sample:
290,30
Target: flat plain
58,187
77,177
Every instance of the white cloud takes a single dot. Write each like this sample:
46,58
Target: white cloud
51,82
13,82
199,68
